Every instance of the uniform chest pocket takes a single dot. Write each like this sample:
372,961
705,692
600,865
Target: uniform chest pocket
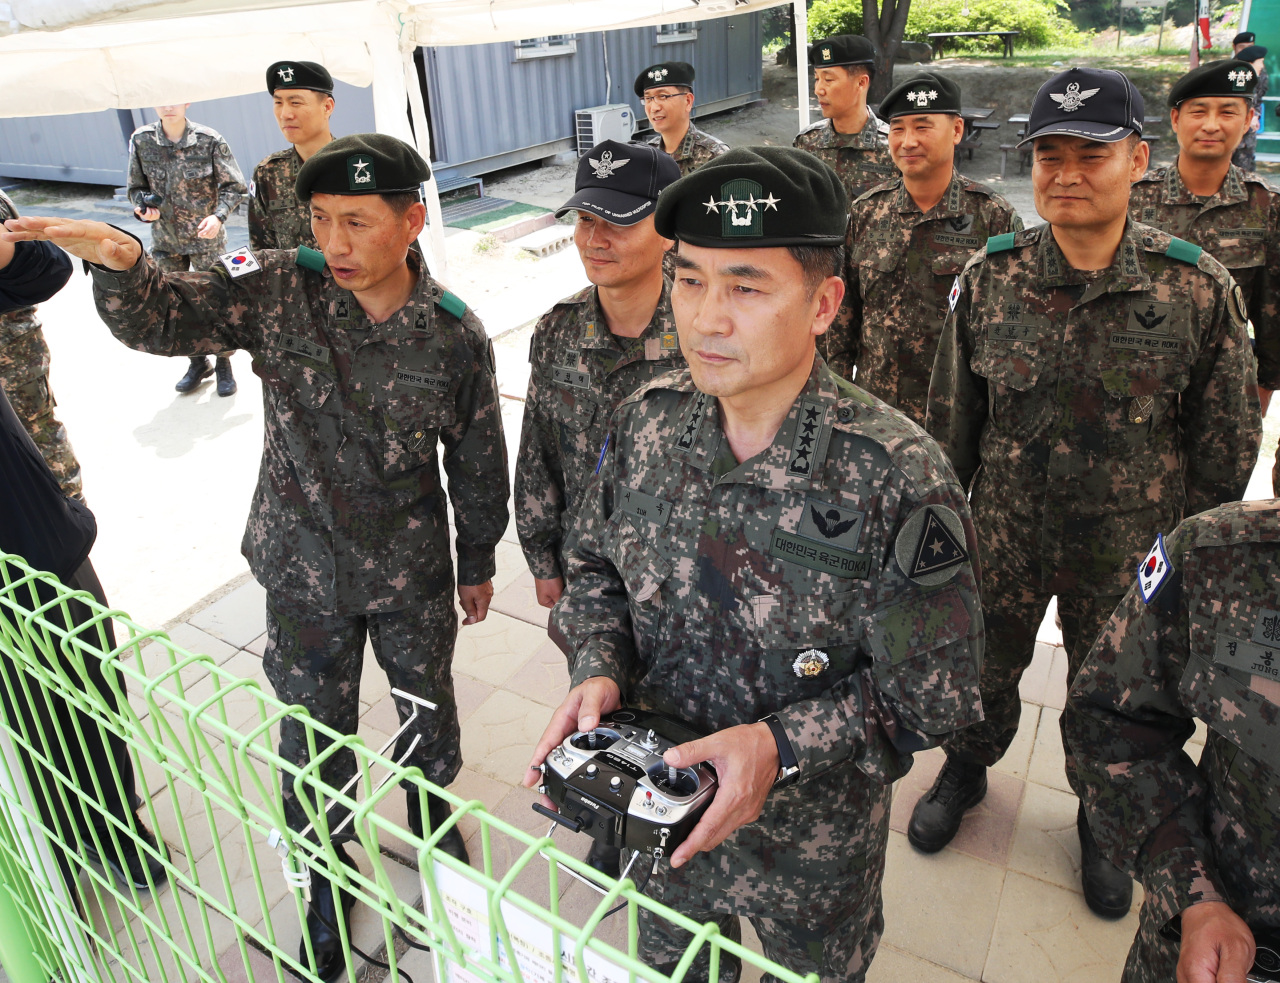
411,425
923,661
1228,706
808,640
1010,355
572,410
645,572
1239,249
299,392
1146,376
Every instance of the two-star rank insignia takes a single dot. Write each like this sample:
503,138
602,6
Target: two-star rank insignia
930,547
811,662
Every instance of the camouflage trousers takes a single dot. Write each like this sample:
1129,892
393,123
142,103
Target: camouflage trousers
1012,612
314,659
24,373
199,259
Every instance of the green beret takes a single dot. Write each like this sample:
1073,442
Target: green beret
1218,79
362,164
299,75
753,197
931,92
665,73
841,49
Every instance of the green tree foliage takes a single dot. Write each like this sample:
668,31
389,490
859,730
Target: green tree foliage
1043,23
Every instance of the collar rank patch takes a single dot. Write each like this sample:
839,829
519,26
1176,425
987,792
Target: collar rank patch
670,342
239,263
811,662
955,294
1267,630
589,331
421,319
808,445
1154,570
930,547
342,309
693,422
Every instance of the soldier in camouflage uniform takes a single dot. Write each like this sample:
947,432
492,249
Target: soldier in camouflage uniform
1245,156
781,560
1194,639
1205,199
24,374
908,240
850,137
192,168
591,350
369,367
666,89
1095,376
302,100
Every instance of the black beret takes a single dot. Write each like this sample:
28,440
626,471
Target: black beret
664,73
1217,79
299,75
841,49
362,164
1244,37
931,92
1251,53
620,181
1092,103
756,196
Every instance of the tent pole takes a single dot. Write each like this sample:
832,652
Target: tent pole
801,41
435,217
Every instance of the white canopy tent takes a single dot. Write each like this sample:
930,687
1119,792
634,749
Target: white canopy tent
76,56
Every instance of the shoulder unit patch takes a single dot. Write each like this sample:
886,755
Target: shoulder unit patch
1154,570
930,546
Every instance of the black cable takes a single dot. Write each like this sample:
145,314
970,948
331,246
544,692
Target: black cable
639,890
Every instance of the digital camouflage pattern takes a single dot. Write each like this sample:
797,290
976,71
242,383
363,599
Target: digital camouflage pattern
1240,227
198,177
201,259
24,374
719,592
349,512
580,371
900,265
277,219
1100,407
1207,647
861,159
1245,156
695,149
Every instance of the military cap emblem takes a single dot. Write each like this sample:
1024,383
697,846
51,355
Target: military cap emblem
741,207
811,662
360,172
922,97
606,165
285,73
1073,98
1241,78
826,54
658,74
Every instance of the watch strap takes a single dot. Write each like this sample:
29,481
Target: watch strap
789,765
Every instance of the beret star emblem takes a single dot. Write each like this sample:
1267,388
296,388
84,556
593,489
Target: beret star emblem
286,73
922,98
659,73
750,203
1239,78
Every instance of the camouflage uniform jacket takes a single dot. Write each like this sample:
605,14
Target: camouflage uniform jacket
1099,408
900,265
695,149
861,159
580,373
1240,227
277,219
719,592
349,512
198,177
1207,647
21,320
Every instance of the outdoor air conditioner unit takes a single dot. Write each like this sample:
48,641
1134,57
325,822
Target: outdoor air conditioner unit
595,123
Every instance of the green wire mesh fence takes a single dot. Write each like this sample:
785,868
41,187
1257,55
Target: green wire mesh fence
220,895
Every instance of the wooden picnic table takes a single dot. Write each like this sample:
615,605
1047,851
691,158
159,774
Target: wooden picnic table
939,39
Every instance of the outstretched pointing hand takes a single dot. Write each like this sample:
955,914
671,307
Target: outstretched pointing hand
95,241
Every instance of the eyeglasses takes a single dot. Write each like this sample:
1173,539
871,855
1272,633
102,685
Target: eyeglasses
660,99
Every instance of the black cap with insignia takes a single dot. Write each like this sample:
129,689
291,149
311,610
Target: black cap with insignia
1092,103
931,92
665,73
1251,53
620,182
362,164
841,49
1244,37
756,196
1216,79
299,75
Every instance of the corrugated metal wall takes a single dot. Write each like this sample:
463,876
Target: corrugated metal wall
536,107
488,110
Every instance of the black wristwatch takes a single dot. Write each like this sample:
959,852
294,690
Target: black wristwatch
789,767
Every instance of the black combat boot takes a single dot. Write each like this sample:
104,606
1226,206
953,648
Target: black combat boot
198,369
1108,890
322,923
438,812
226,381
140,854
606,859
961,785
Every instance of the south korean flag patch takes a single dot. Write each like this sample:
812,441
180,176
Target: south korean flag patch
1154,570
240,262
955,294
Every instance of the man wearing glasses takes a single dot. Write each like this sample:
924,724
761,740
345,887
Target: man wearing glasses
667,93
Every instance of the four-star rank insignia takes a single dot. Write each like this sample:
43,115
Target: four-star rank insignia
811,662
930,546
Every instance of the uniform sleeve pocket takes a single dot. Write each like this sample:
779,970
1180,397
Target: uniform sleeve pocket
923,661
1244,717
409,440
